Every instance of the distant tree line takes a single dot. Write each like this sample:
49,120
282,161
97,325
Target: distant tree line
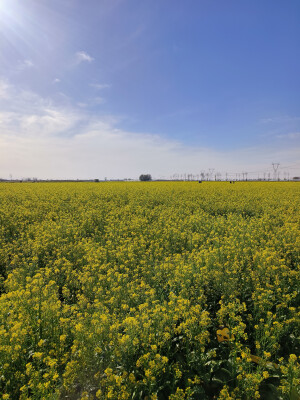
145,177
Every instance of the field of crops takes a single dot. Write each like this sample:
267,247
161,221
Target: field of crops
149,290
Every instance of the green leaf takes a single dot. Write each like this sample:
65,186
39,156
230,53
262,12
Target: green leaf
268,391
294,394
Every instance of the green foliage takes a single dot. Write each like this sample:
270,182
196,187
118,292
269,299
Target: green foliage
117,291
145,177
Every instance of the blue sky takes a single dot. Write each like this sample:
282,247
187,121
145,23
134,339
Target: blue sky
116,88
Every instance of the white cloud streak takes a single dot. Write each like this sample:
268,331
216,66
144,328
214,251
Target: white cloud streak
291,135
82,56
47,140
100,86
4,90
280,119
25,64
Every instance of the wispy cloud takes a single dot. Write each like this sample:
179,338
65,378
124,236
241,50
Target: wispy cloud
28,63
98,100
82,56
35,131
56,80
100,86
24,113
25,64
4,90
280,119
281,127
291,135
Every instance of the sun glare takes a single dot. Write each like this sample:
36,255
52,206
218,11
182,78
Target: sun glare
4,5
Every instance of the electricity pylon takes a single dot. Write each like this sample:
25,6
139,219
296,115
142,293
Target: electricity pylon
275,168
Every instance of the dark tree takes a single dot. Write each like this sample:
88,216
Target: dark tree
145,177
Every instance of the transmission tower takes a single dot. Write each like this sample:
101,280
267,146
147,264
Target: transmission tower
211,170
275,168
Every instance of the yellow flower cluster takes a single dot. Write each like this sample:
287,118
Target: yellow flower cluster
149,290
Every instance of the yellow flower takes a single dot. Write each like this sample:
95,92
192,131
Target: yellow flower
266,374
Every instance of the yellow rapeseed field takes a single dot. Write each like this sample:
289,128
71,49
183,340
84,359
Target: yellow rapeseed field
149,290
